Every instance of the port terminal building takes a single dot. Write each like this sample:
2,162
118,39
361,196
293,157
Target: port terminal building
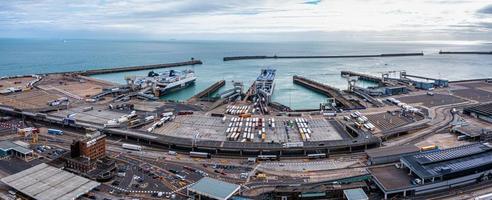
439,170
390,154
482,111
14,149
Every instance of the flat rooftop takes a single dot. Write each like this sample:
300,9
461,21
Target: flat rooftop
355,194
44,182
390,151
391,178
213,188
442,162
470,130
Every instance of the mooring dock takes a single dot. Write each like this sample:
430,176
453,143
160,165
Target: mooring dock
364,77
208,91
132,68
324,89
310,57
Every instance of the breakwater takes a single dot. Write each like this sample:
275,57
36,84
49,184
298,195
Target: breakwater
231,58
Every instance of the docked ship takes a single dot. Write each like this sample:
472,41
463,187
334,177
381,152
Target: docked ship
165,82
264,85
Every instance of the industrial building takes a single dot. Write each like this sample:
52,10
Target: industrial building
427,84
44,182
85,153
482,111
209,188
437,170
390,154
11,149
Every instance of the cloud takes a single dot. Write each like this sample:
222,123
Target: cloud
170,19
313,2
486,10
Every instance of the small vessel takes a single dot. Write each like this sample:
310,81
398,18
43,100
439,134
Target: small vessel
165,82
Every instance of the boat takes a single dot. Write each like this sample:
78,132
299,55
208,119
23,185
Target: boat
168,81
264,85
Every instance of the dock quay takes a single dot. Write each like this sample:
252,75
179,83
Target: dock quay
309,57
280,107
365,77
208,91
466,52
130,68
324,89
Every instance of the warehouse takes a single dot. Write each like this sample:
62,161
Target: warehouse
390,154
483,111
45,182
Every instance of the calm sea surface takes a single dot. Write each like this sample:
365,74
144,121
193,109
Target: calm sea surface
28,56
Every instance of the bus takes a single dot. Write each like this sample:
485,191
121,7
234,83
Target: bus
316,155
267,157
55,132
197,154
131,147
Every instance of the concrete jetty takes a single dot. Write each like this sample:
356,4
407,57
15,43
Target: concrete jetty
130,68
310,57
324,89
207,91
364,77
466,52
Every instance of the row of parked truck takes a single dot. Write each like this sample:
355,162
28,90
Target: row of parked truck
304,130
237,110
251,125
360,121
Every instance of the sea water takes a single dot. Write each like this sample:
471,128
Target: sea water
29,56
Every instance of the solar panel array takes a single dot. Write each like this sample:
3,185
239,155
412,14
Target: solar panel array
461,164
448,154
485,109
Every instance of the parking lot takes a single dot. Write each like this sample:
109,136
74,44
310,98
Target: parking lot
132,178
431,100
187,126
212,128
474,94
387,121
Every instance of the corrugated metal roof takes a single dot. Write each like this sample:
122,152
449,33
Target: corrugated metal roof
214,188
44,182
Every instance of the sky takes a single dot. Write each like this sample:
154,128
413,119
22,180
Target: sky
423,20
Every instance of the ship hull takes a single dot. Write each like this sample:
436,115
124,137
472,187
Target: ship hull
167,90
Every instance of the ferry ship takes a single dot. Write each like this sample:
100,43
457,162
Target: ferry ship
264,85
168,81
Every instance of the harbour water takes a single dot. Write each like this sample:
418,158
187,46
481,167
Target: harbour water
28,56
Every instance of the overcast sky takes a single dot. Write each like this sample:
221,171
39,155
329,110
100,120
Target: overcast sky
249,19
